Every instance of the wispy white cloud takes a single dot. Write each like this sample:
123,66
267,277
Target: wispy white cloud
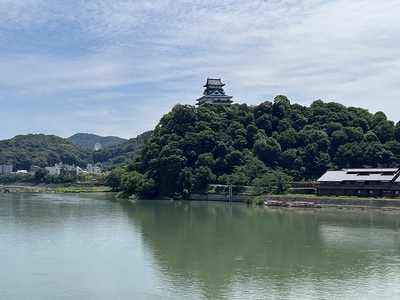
119,65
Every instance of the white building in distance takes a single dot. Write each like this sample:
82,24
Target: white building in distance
56,170
93,169
6,169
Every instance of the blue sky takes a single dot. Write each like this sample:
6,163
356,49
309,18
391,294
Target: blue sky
115,67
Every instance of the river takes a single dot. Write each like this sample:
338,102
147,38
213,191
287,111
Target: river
91,246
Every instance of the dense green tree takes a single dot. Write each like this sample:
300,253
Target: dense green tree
281,107
267,150
287,158
338,138
202,177
234,158
220,150
131,182
251,133
370,137
114,178
397,132
267,144
41,174
349,155
331,127
205,159
394,147
67,176
376,155
264,122
288,139
275,181
385,131
353,134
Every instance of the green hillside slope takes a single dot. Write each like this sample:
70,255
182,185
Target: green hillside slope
263,145
88,141
42,150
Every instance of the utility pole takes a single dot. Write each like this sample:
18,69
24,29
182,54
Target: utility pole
230,193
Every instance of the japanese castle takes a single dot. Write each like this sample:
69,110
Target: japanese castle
214,93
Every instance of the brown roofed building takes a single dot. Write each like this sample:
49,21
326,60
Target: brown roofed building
379,182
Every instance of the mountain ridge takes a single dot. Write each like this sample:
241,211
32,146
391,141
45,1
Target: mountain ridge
89,140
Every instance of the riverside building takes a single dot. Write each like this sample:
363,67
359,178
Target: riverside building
379,182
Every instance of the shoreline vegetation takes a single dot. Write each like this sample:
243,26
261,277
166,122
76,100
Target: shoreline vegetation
387,204
274,148
54,188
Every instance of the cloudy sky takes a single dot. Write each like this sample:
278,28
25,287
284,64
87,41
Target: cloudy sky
114,67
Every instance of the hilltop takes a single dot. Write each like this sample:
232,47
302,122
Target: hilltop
88,141
268,145
43,150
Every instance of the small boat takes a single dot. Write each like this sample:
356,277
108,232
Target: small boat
275,203
304,204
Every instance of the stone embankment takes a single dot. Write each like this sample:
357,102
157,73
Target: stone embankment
217,197
332,202
379,203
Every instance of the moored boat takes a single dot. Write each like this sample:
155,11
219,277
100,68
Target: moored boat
275,203
304,204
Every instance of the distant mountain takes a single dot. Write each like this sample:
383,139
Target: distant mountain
122,153
89,141
42,150
46,150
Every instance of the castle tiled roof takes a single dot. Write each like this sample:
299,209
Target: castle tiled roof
214,93
214,81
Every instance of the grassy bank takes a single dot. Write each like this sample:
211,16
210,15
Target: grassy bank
55,188
81,189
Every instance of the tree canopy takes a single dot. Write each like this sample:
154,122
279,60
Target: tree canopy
43,150
253,145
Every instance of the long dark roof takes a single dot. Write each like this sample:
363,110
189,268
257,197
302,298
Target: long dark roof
383,174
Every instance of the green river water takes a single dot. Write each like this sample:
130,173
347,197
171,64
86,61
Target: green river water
91,246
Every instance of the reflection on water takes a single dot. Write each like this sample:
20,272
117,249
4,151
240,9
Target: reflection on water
287,252
92,247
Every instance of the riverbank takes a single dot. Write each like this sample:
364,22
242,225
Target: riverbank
345,202
323,202
23,187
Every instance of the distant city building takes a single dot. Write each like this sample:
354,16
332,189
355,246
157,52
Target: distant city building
56,170
6,169
33,168
93,169
23,172
79,170
74,169
214,93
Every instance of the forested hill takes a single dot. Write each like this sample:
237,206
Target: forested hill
254,145
47,150
42,150
88,141
122,153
